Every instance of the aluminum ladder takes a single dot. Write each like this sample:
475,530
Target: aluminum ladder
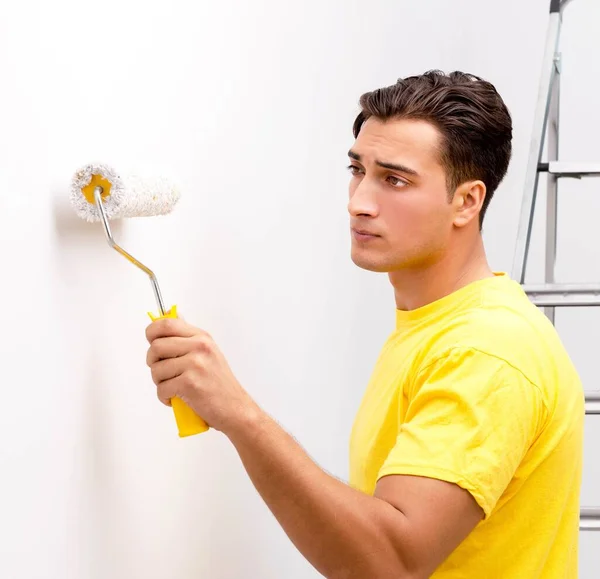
546,124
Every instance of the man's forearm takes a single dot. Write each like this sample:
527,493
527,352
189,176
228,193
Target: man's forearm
342,532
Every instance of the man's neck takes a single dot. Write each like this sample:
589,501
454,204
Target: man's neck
419,287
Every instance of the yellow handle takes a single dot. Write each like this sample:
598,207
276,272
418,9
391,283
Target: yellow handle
188,422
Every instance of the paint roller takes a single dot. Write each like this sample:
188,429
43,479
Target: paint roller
100,194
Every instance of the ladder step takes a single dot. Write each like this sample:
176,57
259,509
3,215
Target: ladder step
589,519
570,169
592,403
567,294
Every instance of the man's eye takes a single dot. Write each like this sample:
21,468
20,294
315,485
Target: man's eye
396,181
354,170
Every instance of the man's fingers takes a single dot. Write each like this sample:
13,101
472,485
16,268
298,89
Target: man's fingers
167,390
169,327
163,348
165,370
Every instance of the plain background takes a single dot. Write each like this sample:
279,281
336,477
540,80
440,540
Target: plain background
249,105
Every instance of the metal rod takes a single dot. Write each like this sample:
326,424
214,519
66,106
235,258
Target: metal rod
528,202
564,4
589,519
564,294
128,256
592,406
572,169
563,288
592,402
552,184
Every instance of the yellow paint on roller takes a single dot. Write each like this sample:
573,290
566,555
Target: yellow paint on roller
97,181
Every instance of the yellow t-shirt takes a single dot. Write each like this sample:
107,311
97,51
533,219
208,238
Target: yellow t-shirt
476,389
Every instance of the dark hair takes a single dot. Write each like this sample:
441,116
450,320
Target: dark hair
475,125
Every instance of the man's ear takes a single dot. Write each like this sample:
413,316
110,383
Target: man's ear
468,201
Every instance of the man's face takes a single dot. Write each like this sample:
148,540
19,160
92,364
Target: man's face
400,213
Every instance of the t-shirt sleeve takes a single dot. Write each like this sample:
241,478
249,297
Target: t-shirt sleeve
470,419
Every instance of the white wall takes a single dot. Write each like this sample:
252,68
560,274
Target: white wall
250,106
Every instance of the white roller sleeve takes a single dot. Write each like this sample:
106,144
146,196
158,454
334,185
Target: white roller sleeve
130,195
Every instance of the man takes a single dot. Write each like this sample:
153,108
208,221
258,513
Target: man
466,453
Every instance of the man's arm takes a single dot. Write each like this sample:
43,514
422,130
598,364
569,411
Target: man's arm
405,531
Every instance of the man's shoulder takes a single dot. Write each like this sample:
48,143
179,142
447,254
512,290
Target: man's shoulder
523,339
497,330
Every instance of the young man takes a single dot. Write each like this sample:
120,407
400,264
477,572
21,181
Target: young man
466,453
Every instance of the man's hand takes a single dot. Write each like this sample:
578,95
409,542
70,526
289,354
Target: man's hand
185,362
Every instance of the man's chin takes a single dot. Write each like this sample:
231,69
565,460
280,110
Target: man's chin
369,264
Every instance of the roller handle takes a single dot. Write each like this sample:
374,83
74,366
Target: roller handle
188,422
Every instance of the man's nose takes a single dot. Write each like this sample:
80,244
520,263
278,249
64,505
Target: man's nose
363,199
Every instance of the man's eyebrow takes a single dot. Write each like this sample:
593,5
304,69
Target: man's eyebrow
384,165
396,167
